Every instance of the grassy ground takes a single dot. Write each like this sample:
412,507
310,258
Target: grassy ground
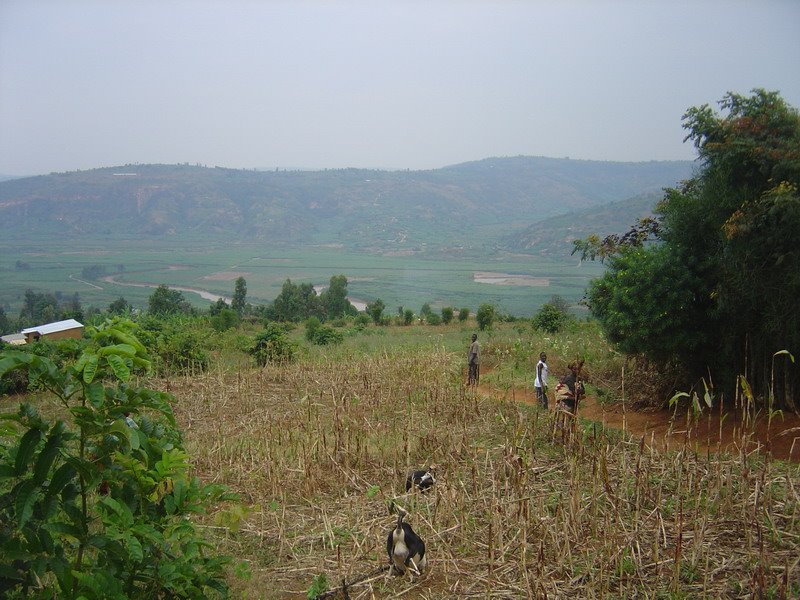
320,448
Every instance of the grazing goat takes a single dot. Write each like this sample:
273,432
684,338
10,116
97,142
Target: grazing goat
422,480
405,548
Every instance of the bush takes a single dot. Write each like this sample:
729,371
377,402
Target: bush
182,349
273,345
463,314
320,334
408,316
98,505
447,315
485,316
433,319
225,319
550,318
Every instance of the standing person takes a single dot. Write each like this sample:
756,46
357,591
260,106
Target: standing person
541,380
574,386
474,361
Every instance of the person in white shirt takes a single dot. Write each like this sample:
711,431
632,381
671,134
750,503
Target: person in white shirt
541,380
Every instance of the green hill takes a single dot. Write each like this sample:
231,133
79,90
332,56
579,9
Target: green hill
474,202
554,236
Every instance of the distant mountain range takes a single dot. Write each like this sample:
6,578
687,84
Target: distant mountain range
481,202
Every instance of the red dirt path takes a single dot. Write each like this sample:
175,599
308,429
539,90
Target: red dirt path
662,431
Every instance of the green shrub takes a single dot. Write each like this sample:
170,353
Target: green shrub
550,318
463,314
433,319
225,319
97,505
447,315
182,349
273,345
325,335
485,316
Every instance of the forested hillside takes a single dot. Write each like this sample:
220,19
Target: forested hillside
555,236
359,208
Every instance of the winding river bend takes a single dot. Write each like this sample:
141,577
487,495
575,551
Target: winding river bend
204,294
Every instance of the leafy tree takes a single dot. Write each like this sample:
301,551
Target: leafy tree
463,314
217,307
72,308
549,318
225,319
447,315
5,323
408,316
165,301
238,302
287,306
295,303
719,290
334,299
425,310
120,306
97,505
38,308
485,316
375,310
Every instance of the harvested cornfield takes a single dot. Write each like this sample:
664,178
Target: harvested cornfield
319,451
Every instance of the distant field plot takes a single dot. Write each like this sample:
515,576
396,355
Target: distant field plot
101,270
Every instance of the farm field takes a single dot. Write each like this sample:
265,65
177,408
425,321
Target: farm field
434,277
318,451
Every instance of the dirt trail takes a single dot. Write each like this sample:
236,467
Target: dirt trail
712,433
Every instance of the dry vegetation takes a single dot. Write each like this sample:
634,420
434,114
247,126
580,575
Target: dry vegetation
318,450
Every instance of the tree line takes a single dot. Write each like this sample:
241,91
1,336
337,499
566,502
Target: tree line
710,288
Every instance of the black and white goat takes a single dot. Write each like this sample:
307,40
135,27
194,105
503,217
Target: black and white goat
422,480
405,548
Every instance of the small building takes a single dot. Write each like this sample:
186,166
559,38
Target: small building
14,339
54,331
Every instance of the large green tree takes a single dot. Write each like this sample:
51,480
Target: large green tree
334,299
239,300
166,301
719,290
296,302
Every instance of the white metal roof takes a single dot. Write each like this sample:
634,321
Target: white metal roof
53,327
15,339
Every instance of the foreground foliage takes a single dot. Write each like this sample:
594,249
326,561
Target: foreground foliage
95,505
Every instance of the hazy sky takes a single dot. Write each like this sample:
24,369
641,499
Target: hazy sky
403,84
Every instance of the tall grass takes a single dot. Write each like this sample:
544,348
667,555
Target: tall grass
318,449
